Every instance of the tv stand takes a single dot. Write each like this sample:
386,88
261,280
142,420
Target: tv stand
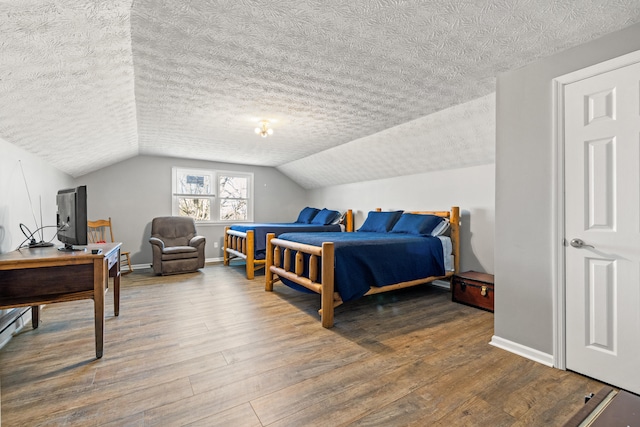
30,278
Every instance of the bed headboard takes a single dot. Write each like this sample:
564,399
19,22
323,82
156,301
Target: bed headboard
454,220
454,223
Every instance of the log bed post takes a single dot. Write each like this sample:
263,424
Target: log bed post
454,220
250,251
269,262
349,226
225,245
327,305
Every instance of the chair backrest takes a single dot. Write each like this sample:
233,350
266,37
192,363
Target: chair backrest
173,230
97,231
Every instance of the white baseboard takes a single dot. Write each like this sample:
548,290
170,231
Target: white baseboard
135,267
147,266
521,350
441,284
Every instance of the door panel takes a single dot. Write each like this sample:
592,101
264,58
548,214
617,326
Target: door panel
601,179
601,288
602,208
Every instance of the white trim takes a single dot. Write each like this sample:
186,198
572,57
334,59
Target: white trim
559,285
441,284
135,267
148,266
601,68
521,350
557,229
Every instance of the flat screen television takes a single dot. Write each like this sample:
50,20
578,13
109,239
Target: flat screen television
72,218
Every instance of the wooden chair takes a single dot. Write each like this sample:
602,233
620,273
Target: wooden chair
97,233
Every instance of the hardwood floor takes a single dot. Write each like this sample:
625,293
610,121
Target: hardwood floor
214,349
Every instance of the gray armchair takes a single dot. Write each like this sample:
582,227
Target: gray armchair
176,246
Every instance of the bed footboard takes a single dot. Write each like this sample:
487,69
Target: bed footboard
238,244
278,264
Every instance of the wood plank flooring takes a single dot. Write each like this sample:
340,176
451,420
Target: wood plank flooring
214,349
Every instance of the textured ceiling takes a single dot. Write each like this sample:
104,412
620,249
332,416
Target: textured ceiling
460,136
87,83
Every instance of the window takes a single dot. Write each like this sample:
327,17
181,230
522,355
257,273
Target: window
194,195
234,196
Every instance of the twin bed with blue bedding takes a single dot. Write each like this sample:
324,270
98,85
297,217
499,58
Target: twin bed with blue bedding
248,241
392,250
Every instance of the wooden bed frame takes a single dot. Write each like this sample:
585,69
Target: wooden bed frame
278,264
240,244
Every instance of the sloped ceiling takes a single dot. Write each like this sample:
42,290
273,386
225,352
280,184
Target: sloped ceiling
86,83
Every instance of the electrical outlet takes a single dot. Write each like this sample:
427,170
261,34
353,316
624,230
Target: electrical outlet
215,244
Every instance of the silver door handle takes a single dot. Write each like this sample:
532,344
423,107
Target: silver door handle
578,243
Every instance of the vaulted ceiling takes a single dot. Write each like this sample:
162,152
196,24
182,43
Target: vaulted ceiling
354,90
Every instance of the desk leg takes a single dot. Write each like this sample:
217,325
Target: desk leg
116,289
115,273
100,274
35,316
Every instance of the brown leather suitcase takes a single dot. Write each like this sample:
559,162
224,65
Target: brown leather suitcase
474,289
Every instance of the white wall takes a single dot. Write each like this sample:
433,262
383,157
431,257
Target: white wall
43,182
525,189
134,191
472,189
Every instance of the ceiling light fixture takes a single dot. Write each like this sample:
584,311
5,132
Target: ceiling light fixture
264,130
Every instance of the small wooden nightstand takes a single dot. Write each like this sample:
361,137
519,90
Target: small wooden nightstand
474,289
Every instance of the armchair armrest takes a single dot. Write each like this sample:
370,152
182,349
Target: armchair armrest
196,241
157,242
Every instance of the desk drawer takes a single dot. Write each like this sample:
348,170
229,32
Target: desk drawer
112,259
44,281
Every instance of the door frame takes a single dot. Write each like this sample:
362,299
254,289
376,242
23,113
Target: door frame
558,231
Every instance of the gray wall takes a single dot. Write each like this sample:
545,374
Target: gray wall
43,182
136,190
472,189
525,189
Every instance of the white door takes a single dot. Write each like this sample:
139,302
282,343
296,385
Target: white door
602,226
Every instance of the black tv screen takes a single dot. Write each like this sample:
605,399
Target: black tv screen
72,217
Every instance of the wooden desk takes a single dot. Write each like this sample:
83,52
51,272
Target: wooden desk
31,277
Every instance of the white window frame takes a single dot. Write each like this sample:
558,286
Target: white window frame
236,174
214,199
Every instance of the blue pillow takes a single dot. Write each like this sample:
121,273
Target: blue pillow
325,217
420,224
306,215
380,222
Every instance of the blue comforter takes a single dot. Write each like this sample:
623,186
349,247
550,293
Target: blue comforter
364,260
261,230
